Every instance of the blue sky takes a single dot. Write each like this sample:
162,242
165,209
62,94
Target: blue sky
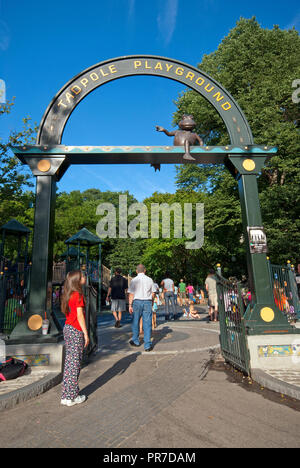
44,44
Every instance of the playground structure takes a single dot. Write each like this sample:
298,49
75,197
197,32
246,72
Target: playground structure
15,276
49,160
14,298
60,270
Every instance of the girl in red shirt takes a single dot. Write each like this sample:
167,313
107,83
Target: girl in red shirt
75,335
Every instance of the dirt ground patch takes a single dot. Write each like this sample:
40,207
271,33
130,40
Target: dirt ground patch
236,376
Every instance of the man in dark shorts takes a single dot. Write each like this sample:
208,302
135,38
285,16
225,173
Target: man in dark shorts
117,292
211,288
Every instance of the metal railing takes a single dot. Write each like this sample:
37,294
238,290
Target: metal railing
14,296
285,290
232,331
59,272
91,317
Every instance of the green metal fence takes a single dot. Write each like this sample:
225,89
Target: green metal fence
232,331
285,290
14,287
92,297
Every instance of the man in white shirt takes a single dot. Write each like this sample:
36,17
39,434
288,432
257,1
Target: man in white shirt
141,294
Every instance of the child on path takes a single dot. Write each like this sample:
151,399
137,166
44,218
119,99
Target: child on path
75,335
192,313
154,311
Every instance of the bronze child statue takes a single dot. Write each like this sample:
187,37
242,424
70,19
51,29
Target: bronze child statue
185,136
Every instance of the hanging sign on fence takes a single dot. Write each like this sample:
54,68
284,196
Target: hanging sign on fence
257,240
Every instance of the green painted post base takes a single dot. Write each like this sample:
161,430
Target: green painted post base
267,319
22,334
263,317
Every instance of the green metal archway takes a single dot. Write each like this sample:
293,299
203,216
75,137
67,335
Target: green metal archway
71,94
49,160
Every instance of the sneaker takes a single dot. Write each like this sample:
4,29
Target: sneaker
79,399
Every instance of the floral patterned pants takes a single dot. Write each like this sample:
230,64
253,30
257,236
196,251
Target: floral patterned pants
74,342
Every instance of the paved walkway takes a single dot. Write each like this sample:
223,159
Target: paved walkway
171,397
168,340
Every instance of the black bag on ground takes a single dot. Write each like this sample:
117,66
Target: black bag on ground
12,368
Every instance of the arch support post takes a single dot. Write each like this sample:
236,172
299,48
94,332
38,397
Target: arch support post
262,315
42,251
40,294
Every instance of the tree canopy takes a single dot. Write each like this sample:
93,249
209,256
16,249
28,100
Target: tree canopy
13,177
257,66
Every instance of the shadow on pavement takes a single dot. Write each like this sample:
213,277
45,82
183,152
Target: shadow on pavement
117,369
158,335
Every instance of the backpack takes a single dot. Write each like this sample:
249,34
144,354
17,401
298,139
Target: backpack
12,368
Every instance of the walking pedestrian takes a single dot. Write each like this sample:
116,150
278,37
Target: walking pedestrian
201,297
190,291
117,290
75,335
161,296
211,288
154,312
176,295
182,293
168,288
141,295
156,287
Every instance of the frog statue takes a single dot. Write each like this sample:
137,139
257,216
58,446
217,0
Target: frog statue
185,136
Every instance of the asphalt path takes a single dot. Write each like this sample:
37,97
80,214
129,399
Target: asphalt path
179,395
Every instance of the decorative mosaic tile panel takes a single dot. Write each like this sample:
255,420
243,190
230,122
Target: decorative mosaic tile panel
278,350
35,359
